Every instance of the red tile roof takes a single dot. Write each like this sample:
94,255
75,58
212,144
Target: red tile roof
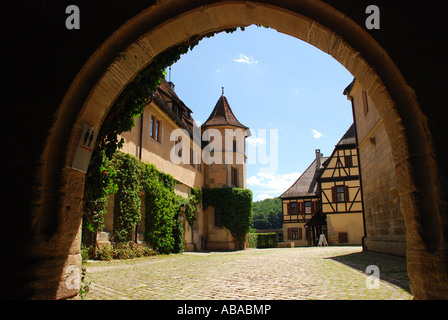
222,115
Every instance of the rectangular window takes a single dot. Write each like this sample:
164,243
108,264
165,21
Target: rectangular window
234,145
177,147
348,161
293,208
308,207
217,217
234,177
151,129
155,129
339,193
294,234
364,102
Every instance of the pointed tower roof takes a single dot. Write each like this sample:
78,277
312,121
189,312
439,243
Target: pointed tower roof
222,115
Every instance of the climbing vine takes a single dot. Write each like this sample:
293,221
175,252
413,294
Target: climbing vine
160,209
100,183
235,205
127,203
127,177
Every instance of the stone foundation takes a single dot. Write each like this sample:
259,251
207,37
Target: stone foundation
386,244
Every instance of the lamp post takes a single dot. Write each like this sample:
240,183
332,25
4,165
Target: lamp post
182,210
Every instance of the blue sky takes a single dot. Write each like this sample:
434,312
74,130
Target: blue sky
272,81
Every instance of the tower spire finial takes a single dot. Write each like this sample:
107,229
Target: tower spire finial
222,90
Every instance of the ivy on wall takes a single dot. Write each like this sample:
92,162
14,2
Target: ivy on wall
100,183
127,204
128,178
235,205
161,209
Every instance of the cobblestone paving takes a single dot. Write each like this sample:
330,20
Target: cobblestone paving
335,273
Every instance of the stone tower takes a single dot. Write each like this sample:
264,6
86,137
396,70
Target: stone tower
225,166
225,153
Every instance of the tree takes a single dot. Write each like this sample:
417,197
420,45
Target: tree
267,214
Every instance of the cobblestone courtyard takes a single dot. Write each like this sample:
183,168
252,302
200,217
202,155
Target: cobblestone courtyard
336,273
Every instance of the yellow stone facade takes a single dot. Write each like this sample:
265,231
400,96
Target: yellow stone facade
385,227
154,139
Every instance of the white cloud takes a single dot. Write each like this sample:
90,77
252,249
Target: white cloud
263,196
245,59
272,184
254,141
316,134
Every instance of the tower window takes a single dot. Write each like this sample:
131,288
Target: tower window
217,217
234,177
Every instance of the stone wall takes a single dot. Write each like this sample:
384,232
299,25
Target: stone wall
385,228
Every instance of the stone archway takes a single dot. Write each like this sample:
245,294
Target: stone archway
130,48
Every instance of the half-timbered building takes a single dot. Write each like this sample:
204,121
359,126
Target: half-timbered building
340,192
326,199
300,203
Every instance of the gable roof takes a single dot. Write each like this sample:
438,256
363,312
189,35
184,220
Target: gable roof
222,115
306,185
168,101
349,138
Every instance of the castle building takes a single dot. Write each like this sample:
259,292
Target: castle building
167,136
326,199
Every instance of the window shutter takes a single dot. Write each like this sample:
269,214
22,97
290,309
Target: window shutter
289,209
346,193
333,194
300,207
289,233
300,233
314,207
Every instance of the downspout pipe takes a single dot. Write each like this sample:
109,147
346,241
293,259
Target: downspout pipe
349,97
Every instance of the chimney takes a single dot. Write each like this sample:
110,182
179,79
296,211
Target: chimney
318,159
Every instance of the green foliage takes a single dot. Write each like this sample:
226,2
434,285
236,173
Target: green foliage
267,214
252,240
163,225
123,250
160,211
100,183
127,206
85,284
262,240
236,210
